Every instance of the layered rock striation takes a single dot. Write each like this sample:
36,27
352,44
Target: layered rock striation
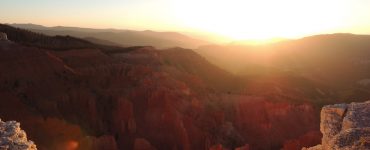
345,127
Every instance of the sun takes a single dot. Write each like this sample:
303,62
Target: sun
262,19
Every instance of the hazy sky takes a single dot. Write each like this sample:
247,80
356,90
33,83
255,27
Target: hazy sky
238,19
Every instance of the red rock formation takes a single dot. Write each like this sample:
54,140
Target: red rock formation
142,144
216,147
108,100
98,143
307,140
271,123
245,147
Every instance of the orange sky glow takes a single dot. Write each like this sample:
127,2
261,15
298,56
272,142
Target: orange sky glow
228,19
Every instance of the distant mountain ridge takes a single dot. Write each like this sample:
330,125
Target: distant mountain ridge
121,37
340,61
57,42
69,91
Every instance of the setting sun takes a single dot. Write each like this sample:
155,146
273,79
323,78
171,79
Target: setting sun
231,19
241,19
185,74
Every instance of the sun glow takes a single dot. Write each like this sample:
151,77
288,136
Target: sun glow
220,20
262,19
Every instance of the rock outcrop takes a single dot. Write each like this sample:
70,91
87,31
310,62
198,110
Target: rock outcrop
12,137
345,127
3,36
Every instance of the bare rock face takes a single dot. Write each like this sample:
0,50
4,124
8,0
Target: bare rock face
331,122
345,127
12,137
3,36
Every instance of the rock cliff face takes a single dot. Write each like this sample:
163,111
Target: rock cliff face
12,137
345,127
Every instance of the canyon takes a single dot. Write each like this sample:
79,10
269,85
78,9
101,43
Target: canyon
69,93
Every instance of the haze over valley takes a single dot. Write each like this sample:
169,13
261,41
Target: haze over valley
173,75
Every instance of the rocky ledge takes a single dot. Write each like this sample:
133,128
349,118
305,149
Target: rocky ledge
345,127
12,137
